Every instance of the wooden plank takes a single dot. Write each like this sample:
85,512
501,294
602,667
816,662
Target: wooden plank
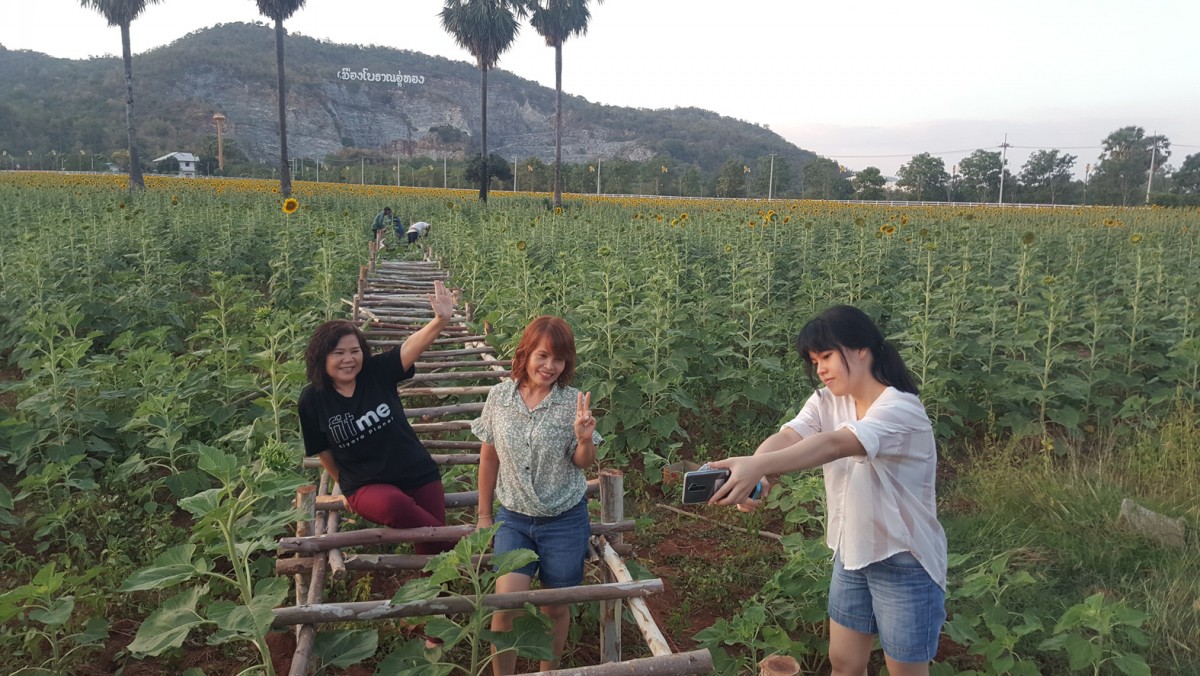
457,375
681,664
637,607
472,363
392,536
357,562
441,354
312,462
437,411
452,605
406,392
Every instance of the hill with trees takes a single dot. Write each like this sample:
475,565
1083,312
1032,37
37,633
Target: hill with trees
356,104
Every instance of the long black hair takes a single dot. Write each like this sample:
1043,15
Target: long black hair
846,327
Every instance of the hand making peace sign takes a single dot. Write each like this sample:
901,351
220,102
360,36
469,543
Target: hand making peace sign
585,424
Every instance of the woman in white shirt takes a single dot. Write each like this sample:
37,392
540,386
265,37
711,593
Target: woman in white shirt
872,438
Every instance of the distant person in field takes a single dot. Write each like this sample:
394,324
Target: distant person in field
871,436
415,231
538,436
383,221
352,419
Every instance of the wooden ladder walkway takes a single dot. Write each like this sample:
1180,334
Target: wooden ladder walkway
450,387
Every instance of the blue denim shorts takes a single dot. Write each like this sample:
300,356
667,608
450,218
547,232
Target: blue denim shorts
559,541
894,598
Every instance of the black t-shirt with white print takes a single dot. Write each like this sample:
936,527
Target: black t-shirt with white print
368,433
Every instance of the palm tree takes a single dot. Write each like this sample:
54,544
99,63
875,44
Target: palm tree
557,20
278,10
122,13
485,28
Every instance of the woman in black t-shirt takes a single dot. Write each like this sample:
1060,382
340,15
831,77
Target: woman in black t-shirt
352,419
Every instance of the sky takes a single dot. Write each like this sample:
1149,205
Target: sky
868,83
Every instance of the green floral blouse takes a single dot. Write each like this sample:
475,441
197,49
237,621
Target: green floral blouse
536,476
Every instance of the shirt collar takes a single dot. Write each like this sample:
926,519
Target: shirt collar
557,395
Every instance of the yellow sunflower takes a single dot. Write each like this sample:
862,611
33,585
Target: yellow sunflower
290,205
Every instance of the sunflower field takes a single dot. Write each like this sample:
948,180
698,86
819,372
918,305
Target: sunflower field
141,333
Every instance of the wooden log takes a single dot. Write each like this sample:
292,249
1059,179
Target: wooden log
409,392
778,665
453,500
467,458
637,607
392,536
612,509
312,462
469,363
303,653
306,501
457,605
454,339
448,426
681,664
433,355
369,562
337,562
397,318
438,411
457,375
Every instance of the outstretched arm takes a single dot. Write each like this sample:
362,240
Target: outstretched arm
809,452
443,303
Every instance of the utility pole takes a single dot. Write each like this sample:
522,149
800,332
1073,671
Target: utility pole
443,172
1003,167
1153,156
597,175
220,120
771,179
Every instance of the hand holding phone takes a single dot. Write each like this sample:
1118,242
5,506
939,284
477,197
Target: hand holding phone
700,485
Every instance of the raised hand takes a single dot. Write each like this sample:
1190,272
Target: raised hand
585,424
442,300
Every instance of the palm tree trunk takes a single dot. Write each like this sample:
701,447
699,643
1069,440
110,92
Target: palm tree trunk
285,174
487,175
136,182
558,124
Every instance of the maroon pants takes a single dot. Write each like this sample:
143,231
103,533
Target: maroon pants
419,507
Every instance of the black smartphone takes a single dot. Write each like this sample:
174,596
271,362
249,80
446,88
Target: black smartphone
699,485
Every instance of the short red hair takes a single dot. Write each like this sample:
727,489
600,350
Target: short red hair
558,334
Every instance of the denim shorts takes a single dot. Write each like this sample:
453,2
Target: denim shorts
559,541
894,598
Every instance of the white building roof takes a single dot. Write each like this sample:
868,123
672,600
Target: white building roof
182,157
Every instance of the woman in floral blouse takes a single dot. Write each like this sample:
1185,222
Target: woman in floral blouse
538,434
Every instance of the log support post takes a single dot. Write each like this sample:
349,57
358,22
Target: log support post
612,510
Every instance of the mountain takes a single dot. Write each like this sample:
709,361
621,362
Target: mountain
387,101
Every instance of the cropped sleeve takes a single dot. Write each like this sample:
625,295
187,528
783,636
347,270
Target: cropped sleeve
481,427
310,428
808,421
890,424
390,367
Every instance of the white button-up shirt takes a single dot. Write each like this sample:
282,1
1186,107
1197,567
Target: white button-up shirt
885,502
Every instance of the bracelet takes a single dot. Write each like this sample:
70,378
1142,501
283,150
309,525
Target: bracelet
483,516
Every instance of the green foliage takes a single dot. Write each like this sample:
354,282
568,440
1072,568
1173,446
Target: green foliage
236,521
1087,631
51,633
463,571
